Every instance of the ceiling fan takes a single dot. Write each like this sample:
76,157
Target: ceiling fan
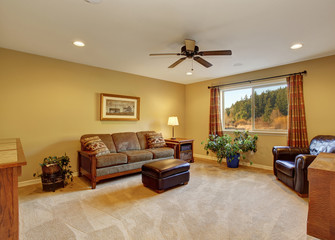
190,50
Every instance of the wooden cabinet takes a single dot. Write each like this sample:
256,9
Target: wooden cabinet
11,160
183,148
321,211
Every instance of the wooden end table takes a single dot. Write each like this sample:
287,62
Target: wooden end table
321,211
183,148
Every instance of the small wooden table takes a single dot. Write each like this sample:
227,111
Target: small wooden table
183,148
321,211
11,160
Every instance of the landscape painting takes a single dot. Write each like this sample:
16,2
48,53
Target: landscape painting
119,107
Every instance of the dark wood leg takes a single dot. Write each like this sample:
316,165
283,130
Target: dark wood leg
159,191
94,184
79,165
53,184
93,172
185,183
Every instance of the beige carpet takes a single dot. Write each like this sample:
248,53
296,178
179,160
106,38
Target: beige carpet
218,203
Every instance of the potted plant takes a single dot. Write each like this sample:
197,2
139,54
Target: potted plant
231,149
53,165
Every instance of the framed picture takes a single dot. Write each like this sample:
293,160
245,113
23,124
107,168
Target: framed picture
119,107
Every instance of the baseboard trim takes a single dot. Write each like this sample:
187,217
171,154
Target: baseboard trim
75,174
37,180
29,182
255,165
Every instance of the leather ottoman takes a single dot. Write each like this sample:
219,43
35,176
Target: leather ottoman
165,174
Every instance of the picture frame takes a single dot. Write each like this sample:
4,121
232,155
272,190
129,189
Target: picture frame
119,107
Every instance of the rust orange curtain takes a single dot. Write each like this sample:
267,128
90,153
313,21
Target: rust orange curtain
215,126
297,130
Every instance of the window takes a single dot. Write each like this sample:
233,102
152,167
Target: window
257,108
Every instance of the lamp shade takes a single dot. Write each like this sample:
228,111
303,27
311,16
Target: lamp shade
173,121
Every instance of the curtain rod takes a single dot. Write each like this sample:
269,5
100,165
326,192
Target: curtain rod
259,79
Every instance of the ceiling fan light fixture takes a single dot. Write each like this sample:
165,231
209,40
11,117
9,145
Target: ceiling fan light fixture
79,43
296,46
189,45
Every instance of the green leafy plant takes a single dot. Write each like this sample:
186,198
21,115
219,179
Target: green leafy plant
63,162
227,147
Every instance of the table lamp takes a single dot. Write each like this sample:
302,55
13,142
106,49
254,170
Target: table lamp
173,121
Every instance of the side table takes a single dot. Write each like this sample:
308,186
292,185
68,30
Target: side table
11,161
183,148
321,210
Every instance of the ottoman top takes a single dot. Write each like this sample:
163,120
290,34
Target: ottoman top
165,168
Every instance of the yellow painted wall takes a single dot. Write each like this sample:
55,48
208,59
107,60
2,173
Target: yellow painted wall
50,103
319,85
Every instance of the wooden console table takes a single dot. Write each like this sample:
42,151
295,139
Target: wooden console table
321,211
11,160
183,148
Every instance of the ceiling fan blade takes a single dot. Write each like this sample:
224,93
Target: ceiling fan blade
203,62
190,45
163,54
213,53
177,62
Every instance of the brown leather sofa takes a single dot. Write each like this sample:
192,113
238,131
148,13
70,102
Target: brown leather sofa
290,164
128,152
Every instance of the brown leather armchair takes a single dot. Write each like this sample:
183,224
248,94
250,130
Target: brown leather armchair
290,163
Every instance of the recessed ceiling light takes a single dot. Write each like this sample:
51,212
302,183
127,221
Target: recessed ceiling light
79,43
189,73
296,46
93,1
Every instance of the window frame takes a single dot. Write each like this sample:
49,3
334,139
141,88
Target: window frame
253,86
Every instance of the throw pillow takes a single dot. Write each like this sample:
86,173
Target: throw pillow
95,145
155,140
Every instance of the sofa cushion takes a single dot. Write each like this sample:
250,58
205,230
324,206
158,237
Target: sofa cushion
126,141
106,138
155,140
138,155
286,167
111,159
142,138
164,152
94,145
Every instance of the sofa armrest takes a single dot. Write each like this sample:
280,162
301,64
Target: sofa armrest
286,153
302,161
87,161
174,146
87,154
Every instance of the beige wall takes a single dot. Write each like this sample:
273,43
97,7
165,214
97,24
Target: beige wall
50,103
319,85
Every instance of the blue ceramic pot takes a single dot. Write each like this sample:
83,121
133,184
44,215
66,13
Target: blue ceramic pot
233,161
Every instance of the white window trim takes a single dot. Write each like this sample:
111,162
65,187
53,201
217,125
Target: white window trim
251,85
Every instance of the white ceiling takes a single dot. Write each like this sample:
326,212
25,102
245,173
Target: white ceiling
120,34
